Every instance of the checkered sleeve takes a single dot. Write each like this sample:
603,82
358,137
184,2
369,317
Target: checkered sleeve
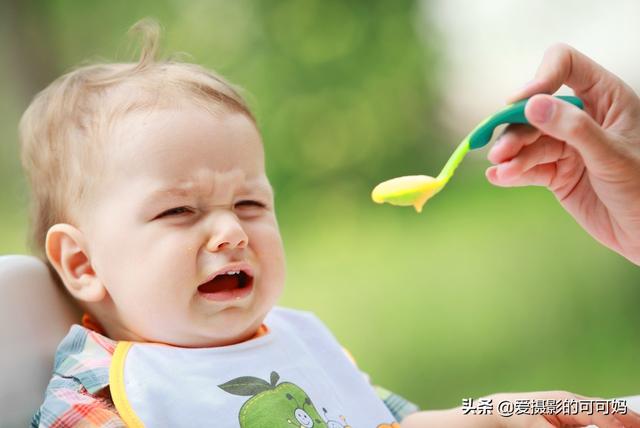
68,404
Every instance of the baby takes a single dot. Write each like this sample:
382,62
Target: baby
151,203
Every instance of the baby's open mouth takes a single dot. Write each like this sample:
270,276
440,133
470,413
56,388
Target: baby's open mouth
227,282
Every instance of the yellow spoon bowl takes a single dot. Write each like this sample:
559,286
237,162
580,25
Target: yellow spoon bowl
409,190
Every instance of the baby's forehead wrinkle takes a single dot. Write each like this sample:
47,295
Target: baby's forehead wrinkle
208,183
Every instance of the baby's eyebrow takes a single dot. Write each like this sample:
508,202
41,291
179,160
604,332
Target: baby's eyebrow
260,187
169,192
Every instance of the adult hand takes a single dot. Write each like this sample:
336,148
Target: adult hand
589,159
605,417
596,412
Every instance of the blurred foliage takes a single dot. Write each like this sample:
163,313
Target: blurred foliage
488,290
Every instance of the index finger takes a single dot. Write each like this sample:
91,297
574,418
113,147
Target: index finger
562,64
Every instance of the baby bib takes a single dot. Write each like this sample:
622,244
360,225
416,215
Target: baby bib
296,375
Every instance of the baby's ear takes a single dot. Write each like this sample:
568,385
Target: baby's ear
67,253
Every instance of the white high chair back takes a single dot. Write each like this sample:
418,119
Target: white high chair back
34,317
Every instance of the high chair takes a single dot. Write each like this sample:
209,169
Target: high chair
35,315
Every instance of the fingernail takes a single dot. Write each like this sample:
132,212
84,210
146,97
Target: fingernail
499,142
492,152
541,110
491,174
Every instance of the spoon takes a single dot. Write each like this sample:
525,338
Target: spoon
415,190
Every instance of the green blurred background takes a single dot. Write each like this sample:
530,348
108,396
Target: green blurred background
487,290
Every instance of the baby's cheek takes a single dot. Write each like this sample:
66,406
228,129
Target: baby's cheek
266,244
152,300
265,240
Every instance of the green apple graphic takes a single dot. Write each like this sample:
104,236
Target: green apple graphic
273,405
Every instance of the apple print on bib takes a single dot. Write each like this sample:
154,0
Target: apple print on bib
280,405
273,405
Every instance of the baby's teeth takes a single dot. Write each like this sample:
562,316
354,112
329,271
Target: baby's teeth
233,272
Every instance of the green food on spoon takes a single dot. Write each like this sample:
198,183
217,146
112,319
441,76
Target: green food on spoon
415,190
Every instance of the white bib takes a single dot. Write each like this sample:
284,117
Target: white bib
296,375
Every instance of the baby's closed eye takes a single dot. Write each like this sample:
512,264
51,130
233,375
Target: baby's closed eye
175,212
249,203
246,206
249,208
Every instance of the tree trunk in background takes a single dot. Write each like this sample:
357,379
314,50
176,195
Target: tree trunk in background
28,62
28,44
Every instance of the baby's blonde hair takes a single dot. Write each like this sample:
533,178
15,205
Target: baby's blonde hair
66,124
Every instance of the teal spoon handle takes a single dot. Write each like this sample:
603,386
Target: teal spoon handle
513,113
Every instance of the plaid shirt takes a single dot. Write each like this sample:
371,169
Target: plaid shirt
77,395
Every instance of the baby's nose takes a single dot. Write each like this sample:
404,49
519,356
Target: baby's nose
227,234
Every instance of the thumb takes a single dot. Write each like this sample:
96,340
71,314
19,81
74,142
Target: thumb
566,122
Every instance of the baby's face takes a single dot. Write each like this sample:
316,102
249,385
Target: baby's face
185,199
